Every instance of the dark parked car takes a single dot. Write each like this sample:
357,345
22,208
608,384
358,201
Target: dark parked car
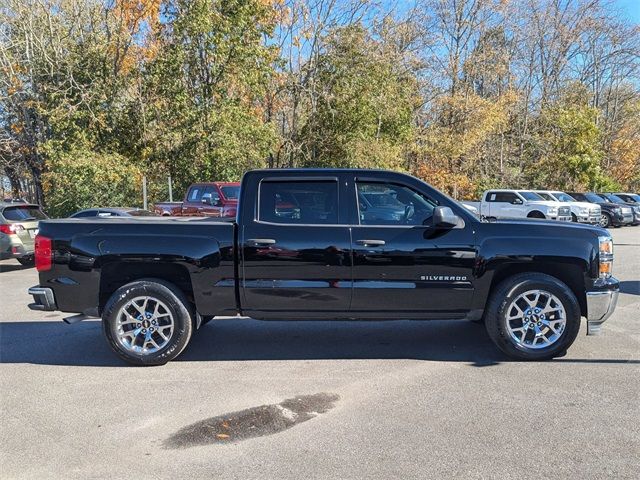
612,214
113,212
531,282
628,199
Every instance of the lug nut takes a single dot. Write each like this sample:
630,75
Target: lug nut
144,330
139,325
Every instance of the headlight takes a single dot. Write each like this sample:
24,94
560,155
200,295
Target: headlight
584,211
605,256
553,210
617,210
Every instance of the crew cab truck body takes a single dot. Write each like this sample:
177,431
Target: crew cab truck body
497,204
582,212
302,247
209,199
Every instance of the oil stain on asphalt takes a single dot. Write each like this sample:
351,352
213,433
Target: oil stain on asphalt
252,422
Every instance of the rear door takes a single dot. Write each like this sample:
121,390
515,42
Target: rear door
295,248
505,205
193,200
404,267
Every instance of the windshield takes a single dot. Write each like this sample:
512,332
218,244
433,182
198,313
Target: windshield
546,196
530,195
614,198
563,197
231,193
23,213
633,197
592,197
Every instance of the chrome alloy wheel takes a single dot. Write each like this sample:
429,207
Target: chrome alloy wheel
604,220
536,319
144,325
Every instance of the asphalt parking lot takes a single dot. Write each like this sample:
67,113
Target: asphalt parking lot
371,399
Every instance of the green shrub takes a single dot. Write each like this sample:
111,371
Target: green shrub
84,179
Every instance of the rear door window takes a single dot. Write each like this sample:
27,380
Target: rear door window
298,202
195,194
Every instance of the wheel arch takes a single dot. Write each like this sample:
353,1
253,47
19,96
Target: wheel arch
536,214
116,274
570,274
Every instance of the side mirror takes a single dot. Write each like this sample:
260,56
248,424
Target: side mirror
207,199
444,217
516,201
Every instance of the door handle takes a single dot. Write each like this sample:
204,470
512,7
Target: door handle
371,243
258,242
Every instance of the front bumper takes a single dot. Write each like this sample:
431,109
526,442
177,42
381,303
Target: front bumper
562,218
592,218
601,304
44,299
625,219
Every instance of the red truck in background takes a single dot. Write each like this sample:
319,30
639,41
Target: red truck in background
206,199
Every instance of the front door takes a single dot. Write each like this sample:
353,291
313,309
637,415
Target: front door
296,251
404,267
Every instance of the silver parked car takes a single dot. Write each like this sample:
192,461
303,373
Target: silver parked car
18,229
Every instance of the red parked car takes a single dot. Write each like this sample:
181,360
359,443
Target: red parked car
207,199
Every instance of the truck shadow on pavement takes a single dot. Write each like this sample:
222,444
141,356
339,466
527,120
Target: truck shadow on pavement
11,267
631,287
55,343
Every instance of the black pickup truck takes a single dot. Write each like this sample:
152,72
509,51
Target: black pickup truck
304,246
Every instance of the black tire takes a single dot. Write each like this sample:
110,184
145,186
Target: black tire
182,312
29,261
574,218
605,220
536,214
501,300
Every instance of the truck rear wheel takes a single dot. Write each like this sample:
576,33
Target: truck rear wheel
533,316
148,322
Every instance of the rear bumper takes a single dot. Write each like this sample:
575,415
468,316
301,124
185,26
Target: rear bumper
44,299
601,304
15,249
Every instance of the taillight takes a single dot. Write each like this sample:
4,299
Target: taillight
43,253
10,229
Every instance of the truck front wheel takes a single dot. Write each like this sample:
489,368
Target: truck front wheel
148,322
533,316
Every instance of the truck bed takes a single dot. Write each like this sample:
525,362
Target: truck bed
195,252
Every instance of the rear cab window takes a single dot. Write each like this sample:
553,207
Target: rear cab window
312,202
